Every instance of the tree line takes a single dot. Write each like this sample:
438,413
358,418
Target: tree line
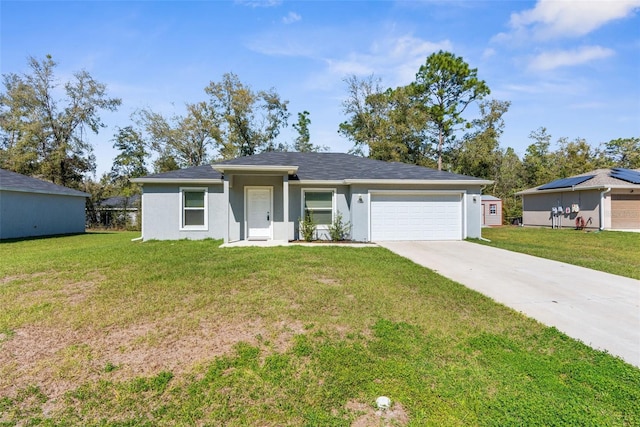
44,129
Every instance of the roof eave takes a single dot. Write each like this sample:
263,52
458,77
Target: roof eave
57,193
317,182
389,182
567,189
420,181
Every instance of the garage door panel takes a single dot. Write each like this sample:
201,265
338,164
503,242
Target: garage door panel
416,217
625,211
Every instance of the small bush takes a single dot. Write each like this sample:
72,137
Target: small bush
307,227
339,230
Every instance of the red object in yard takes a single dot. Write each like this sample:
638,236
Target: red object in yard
579,223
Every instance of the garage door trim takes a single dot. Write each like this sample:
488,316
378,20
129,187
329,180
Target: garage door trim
461,193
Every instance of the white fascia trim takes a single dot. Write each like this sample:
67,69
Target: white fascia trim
176,181
416,192
52,193
567,189
317,182
391,182
256,168
418,181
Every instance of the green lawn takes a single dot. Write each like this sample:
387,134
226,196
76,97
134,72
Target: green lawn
613,252
98,330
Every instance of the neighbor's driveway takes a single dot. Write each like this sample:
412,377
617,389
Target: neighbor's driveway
600,309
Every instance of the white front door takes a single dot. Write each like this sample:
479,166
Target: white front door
259,213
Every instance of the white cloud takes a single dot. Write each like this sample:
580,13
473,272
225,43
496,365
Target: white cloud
259,3
566,58
488,53
279,46
588,105
544,87
396,59
563,18
291,18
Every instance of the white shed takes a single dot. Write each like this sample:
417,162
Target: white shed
32,207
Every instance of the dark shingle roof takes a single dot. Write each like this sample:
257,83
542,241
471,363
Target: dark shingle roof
120,201
17,182
322,167
196,172
340,166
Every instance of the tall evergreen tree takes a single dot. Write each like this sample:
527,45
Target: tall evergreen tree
538,160
479,153
302,142
445,85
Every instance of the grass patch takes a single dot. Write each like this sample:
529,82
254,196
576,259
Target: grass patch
613,252
185,333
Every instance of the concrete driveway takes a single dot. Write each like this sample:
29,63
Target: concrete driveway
602,310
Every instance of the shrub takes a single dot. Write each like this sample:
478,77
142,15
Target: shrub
338,230
307,227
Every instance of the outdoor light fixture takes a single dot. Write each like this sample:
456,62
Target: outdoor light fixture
360,198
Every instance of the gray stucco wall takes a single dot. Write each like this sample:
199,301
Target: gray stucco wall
536,208
473,212
25,214
161,214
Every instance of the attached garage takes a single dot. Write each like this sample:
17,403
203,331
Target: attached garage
625,212
416,216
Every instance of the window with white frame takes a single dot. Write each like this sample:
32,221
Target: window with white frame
320,205
493,209
193,208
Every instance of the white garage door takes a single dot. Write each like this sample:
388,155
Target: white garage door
416,217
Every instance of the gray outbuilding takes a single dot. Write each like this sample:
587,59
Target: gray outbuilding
32,207
265,196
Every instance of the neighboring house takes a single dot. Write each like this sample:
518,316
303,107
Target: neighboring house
603,198
491,211
263,197
118,211
32,207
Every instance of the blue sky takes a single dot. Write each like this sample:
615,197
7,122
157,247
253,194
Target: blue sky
570,66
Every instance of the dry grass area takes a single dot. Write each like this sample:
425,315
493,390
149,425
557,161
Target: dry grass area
369,416
58,359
